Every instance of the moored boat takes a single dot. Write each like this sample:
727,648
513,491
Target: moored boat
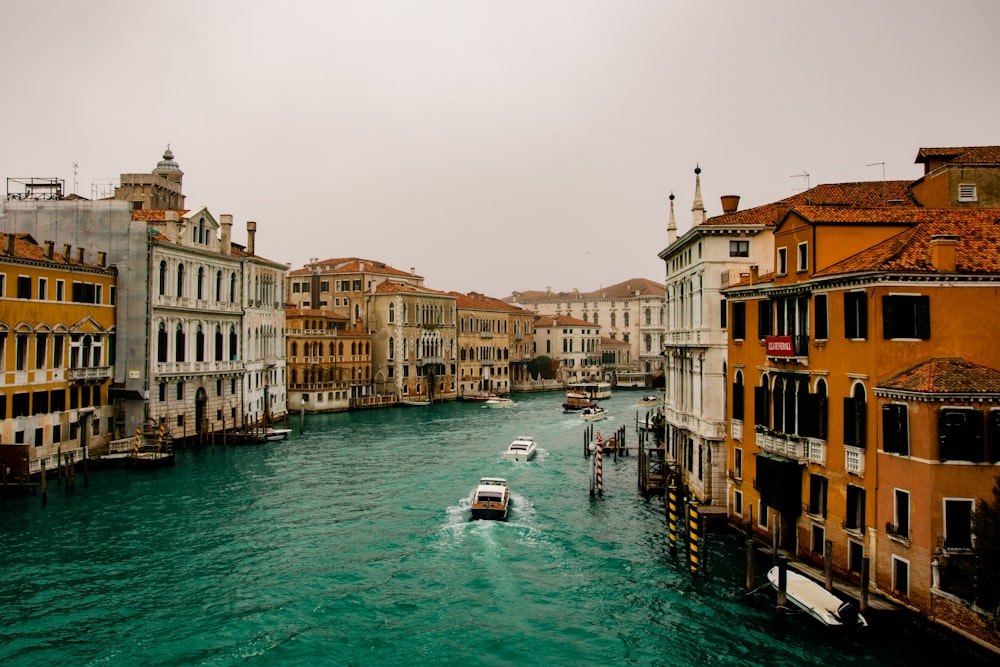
491,499
816,601
479,397
522,449
275,434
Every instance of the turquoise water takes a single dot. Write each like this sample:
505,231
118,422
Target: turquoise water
351,544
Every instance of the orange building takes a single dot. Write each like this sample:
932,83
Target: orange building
851,429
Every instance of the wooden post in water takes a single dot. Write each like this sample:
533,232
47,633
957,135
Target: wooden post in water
86,478
694,537
774,543
59,465
863,602
751,555
828,564
782,587
3,475
302,417
45,495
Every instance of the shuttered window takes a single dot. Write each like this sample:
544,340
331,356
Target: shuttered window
895,431
906,316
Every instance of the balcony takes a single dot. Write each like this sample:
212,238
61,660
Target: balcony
783,444
854,461
787,347
92,373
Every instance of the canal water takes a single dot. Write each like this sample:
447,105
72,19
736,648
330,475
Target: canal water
351,543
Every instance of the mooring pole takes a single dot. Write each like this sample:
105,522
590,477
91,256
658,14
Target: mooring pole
863,602
828,564
672,517
782,587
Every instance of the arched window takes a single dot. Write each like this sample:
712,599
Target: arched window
163,277
738,395
180,280
233,351
295,349
855,417
232,287
625,318
201,282
161,343
392,313
392,348
179,343
218,285
219,351
199,344
821,408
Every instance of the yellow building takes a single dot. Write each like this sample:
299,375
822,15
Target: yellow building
494,344
57,328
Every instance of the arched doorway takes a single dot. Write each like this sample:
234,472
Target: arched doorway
200,410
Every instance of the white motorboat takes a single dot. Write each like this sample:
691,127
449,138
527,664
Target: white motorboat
491,499
499,402
522,449
593,414
275,434
650,401
816,601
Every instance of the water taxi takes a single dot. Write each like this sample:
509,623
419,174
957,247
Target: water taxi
522,449
593,414
595,391
576,401
499,402
491,499
649,401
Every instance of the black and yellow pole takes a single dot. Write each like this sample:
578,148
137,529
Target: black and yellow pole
694,537
672,518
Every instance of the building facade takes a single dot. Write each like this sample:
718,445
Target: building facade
573,345
57,340
494,343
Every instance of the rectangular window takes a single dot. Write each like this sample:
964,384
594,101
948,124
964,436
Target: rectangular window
901,515
180,391
3,283
739,320
737,502
855,556
738,463
56,434
295,288
60,290
855,517
782,261
895,429
324,286
817,495
41,347
356,285
723,315
855,315
802,257
960,435
765,318
761,514
967,192
906,316
739,248
23,287
958,523
900,576
818,537
43,284
822,317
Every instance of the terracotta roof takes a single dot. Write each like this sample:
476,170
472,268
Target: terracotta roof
26,247
863,194
628,288
390,287
351,265
960,155
945,376
561,321
608,340
155,214
977,252
477,301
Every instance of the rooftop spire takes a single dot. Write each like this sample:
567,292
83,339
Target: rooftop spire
698,207
672,223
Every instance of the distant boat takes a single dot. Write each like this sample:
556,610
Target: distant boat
649,401
816,601
414,403
491,499
576,401
479,397
594,390
522,449
275,434
499,402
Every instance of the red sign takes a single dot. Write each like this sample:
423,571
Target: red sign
779,346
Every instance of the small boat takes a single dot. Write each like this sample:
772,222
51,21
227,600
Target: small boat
593,414
650,401
479,397
414,403
275,434
606,446
816,601
577,401
491,499
499,402
522,449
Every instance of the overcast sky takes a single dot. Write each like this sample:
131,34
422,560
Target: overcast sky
492,145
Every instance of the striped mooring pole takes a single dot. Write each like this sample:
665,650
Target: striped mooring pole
598,465
138,435
672,518
694,537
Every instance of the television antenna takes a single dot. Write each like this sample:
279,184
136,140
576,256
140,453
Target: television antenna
803,175
76,166
876,164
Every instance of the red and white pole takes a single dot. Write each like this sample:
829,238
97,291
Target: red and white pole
598,464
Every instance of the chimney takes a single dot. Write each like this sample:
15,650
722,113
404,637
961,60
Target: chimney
730,203
66,250
943,253
754,274
10,245
171,218
780,211
102,259
413,270
251,232
79,255
361,267
226,221
48,249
